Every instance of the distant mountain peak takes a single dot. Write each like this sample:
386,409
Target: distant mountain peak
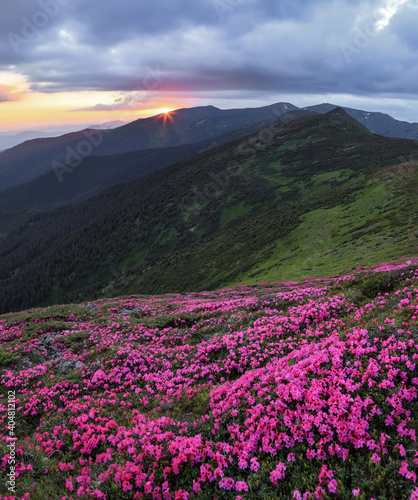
347,120
198,112
338,112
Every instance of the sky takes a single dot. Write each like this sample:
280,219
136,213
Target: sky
65,62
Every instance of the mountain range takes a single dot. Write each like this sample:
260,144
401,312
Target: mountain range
284,336
315,195
34,170
184,126
92,174
378,123
10,139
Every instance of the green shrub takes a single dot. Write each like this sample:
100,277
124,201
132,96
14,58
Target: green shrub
76,341
8,358
365,286
172,321
192,408
383,282
31,330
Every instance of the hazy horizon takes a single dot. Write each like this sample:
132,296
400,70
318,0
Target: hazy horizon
63,128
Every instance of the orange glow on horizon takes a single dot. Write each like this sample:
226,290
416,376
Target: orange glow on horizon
23,109
33,112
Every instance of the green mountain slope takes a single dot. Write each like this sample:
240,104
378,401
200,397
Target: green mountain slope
183,126
378,123
314,196
73,183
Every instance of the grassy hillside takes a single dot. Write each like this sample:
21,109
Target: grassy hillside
311,197
280,390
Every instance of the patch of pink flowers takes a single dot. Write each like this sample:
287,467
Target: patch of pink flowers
171,395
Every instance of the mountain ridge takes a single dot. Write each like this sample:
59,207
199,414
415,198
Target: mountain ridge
68,184
21,165
31,159
377,122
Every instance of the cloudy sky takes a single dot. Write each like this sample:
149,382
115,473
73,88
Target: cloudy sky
90,61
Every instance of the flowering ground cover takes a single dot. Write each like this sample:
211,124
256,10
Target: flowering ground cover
285,390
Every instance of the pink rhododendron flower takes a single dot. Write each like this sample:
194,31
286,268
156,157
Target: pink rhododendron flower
241,486
254,464
414,494
69,484
333,486
98,494
278,382
181,495
227,483
278,473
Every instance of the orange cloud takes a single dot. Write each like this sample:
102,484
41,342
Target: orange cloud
9,93
23,109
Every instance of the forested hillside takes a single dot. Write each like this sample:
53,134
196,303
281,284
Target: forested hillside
314,196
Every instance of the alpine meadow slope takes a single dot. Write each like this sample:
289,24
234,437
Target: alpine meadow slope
312,197
281,390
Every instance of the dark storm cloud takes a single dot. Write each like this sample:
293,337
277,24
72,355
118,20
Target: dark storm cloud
271,46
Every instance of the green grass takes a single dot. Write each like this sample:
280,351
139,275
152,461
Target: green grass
230,214
343,220
341,237
336,175
134,260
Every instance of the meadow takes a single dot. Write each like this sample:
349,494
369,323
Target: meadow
298,390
